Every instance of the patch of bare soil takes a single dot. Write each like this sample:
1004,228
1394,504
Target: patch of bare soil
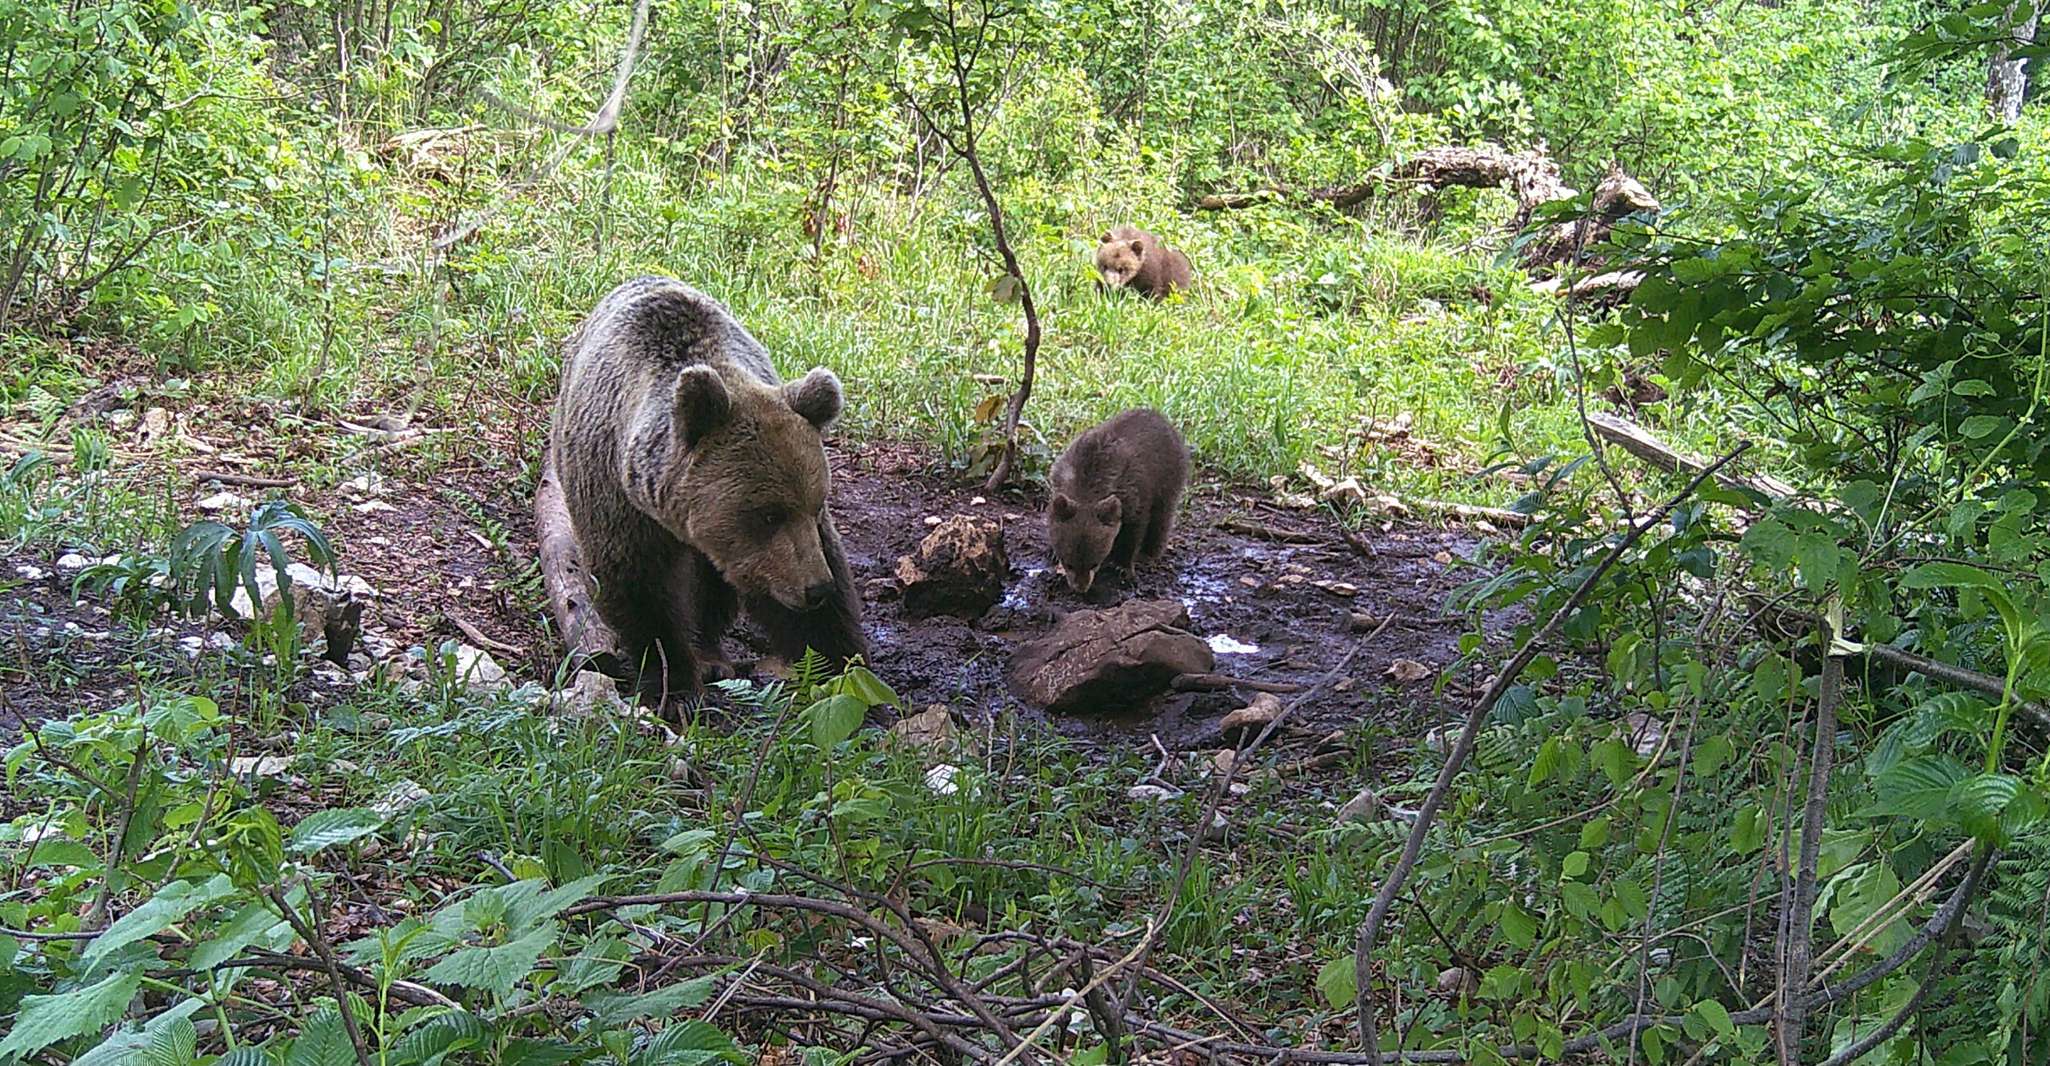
1277,608
1279,595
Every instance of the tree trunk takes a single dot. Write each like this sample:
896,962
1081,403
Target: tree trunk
590,641
2007,79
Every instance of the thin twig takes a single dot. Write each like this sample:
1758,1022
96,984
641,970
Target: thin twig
1799,950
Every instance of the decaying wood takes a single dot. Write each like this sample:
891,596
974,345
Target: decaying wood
591,642
1531,177
1646,445
1219,682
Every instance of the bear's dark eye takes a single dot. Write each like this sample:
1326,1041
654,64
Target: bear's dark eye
770,517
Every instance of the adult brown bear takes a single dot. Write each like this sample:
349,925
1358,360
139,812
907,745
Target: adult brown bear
696,482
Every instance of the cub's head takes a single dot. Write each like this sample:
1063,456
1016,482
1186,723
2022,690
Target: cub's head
1081,535
1118,258
755,479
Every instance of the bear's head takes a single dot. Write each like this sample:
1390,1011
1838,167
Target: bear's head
1081,535
754,481
1118,259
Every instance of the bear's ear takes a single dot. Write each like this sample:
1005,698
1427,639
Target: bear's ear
702,404
1105,240
1138,247
1109,510
815,396
1063,508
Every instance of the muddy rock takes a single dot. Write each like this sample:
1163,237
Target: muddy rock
477,669
590,693
959,569
317,598
929,730
1110,660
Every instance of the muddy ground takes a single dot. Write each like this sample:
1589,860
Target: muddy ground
452,558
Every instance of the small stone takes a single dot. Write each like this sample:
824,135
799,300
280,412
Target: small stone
1250,581
1646,732
1406,671
933,519
1443,558
1364,806
1156,793
31,573
1362,622
369,483
590,693
476,668
371,507
941,779
72,561
223,501
156,425
1458,981
977,502
1264,708
259,765
927,730
402,796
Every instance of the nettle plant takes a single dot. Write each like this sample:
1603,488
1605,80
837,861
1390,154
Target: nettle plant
155,907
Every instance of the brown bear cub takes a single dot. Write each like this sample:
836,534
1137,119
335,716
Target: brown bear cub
1114,495
696,482
1130,257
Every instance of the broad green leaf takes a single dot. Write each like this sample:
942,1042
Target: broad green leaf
1748,832
617,1008
691,1043
430,1041
865,686
834,719
1337,982
165,1040
171,903
1517,926
1978,802
45,1020
1919,787
525,1051
255,923
323,1042
1717,1017
496,968
325,829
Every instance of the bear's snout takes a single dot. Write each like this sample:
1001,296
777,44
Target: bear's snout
818,595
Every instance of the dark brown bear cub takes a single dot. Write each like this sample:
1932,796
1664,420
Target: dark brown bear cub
696,482
1114,495
1130,257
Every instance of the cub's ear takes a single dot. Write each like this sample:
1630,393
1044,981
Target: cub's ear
702,404
1109,510
1063,508
1105,239
815,396
1138,247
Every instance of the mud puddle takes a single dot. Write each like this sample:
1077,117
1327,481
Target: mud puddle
1272,610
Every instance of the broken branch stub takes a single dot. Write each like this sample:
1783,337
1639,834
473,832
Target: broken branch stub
591,642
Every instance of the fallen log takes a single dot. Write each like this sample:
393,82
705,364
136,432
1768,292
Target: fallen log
591,642
1531,177
1645,445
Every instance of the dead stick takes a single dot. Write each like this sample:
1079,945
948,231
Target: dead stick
478,637
1412,849
317,940
252,480
1799,950
1217,682
1266,532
